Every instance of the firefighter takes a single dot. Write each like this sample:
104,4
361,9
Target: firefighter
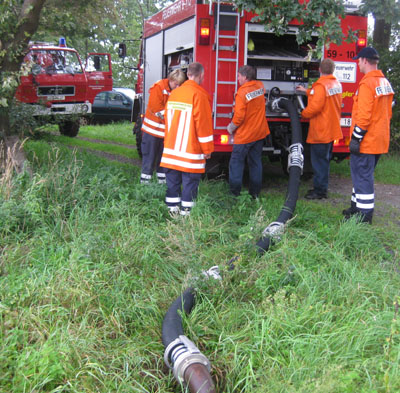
323,110
153,126
370,126
188,141
249,127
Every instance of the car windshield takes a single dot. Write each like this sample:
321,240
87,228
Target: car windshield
52,61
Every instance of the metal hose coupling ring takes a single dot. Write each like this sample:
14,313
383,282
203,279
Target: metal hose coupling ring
180,354
296,157
274,230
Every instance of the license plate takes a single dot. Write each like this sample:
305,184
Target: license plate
56,98
345,122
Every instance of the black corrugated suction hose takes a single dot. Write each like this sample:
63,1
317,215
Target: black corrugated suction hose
295,168
189,365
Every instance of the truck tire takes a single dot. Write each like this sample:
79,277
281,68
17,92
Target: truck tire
137,130
69,128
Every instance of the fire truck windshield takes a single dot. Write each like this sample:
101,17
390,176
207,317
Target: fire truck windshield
51,61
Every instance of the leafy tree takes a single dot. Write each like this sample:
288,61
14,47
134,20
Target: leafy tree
322,16
25,20
386,14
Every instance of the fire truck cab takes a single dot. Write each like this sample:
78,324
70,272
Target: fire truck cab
59,88
222,39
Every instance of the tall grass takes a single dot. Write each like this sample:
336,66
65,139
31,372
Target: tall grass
91,260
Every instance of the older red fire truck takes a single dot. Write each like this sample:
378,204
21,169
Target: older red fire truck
58,87
222,39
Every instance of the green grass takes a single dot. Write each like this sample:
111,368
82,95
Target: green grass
115,132
90,261
387,171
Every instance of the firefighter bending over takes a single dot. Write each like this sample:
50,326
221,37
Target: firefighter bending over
249,127
153,127
188,140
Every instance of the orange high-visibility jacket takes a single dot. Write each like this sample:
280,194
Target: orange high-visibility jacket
372,111
249,113
323,110
153,122
189,130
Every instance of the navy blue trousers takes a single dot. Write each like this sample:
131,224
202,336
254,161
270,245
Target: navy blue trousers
321,154
252,151
182,189
362,167
152,149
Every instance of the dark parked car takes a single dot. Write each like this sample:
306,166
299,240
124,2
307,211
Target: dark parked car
115,105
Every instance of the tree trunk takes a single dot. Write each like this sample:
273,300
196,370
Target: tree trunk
381,35
14,49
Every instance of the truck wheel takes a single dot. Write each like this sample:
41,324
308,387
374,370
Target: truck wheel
137,130
69,128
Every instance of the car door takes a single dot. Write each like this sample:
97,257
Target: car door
120,106
99,74
100,107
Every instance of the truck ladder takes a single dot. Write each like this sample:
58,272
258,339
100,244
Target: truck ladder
220,79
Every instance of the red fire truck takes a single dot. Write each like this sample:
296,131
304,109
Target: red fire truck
58,87
222,39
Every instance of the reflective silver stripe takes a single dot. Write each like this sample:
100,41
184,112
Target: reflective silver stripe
172,200
183,164
365,197
353,198
187,204
178,153
153,131
161,175
166,92
153,123
185,117
206,139
362,205
358,132
144,176
185,212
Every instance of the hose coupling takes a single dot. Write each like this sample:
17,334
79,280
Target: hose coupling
296,157
274,230
300,101
213,272
180,354
274,105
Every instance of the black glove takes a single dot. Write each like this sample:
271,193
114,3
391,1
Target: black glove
356,138
354,146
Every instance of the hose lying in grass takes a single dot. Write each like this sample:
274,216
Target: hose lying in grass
295,168
189,365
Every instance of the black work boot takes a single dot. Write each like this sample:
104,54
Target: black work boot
314,194
349,212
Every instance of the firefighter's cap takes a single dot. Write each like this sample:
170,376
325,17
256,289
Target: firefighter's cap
367,53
